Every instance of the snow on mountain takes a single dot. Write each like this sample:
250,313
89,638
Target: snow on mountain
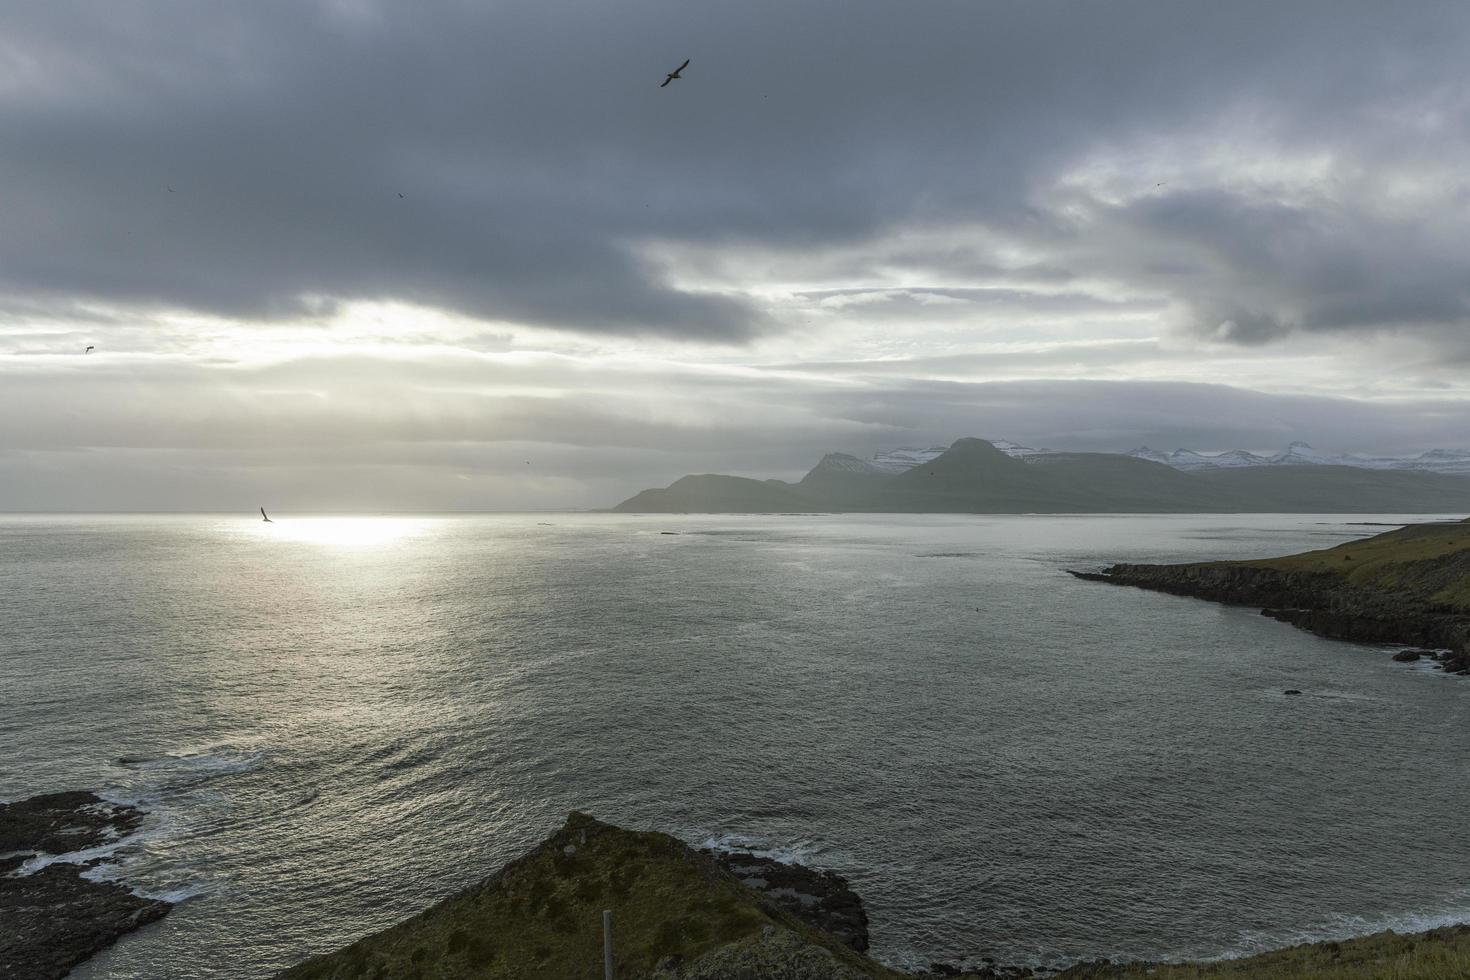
1018,451
1238,457
905,458
1188,459
1301,454
1452,461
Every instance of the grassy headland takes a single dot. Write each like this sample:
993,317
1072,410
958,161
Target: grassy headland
678,915
1409,586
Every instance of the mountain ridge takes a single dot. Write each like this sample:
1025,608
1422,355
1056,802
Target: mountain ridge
974,476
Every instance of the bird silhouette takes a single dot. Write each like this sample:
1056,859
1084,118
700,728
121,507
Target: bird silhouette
400,195
89,349
265,517
675,73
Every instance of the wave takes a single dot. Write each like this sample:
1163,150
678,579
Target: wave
177,770
802,852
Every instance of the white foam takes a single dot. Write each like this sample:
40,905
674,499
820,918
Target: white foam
189,768
98,853
798,852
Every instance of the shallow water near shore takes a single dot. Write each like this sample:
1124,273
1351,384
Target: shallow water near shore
335,722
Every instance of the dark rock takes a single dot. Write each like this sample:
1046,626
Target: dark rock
59,823
1407,656
54,919
819,898
1291,691
1321,602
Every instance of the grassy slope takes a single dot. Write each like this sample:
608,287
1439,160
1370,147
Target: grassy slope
1431,561
1441,954
541,916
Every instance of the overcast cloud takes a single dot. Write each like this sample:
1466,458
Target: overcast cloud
355,254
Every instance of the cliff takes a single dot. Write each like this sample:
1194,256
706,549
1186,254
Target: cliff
1409,586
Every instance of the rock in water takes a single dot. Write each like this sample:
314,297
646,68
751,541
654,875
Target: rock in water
54,919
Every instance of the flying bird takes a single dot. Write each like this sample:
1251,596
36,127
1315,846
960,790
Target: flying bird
89,348
675,73
265,517
400,195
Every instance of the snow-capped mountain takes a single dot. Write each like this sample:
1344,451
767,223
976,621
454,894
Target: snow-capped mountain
905,458
1188,459
1302,454
1017,450
1452,461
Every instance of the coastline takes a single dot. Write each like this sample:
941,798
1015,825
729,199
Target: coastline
683,914
54,917
1409,587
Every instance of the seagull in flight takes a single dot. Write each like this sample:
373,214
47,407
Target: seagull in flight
89,348
265,517
675,73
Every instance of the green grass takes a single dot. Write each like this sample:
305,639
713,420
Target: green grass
1426,561
541,917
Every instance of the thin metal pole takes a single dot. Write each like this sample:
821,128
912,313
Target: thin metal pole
607,970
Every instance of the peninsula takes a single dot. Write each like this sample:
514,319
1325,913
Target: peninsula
1409,586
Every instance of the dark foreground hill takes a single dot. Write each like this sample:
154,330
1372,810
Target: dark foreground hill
973,477
680,915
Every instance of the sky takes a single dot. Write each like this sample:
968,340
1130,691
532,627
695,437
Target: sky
355,255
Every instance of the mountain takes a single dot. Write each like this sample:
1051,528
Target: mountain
1446,461
974,477
1301,454
1019,451
1187,459
714,494
905,458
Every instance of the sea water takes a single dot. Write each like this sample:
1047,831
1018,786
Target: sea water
334,722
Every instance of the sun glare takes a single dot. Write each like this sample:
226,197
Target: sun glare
349,532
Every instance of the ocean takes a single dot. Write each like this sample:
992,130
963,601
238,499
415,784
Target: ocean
335,721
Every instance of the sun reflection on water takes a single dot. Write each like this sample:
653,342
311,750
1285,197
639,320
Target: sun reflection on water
349,532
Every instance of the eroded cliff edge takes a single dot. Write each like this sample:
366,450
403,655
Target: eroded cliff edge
1409,586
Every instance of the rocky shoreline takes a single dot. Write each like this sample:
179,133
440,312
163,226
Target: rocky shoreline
53,919
1400,587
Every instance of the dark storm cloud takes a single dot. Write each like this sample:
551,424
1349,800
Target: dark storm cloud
537,157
